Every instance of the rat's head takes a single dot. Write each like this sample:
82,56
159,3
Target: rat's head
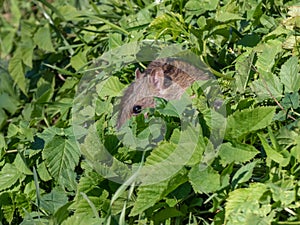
140,94
164,78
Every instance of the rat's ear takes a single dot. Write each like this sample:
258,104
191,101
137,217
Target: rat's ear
157,78
138,74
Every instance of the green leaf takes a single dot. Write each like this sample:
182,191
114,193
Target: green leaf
3,145
273,155
22,166
195,7
83,220
150,194
8,103
227,16
289,75
237,153
268,86
266,54
168,158
54,200
243,174
9,175
42,38
16,70
166,213
6,43
60,154
243,68
79,60
7,206
45,89
243,206
204,180
248,120
111,87
43,172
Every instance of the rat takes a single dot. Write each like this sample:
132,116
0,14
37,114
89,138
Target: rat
166,78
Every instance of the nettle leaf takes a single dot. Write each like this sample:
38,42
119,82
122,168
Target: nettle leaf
238,153
148,195
289,75
3,145
266,54
60,154
169,158
244,206
243,69
171,23
16,70
42,38
9,175
27,48
110,87
227,16
83,220
267,86
54,200
79,60
8,103
204,180
7,206
248,120
45,89
199,7
164,169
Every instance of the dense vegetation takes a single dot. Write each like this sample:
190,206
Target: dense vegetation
63,66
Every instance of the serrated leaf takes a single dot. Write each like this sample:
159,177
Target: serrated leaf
266,55
54,200
238,153
8,103
243,204
268,86
7,208
9,175
16,70
111,87
6,43
45,89
243,68
205,180
289,75
27,48
227,16
3,145
42,38
60,154
148,195
248,120
199,7
22,167
79,60
82,220
168,158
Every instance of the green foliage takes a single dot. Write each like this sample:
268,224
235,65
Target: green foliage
228,152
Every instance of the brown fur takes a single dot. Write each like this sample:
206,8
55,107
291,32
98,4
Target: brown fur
164,78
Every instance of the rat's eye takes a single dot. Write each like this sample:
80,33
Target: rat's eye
137,109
